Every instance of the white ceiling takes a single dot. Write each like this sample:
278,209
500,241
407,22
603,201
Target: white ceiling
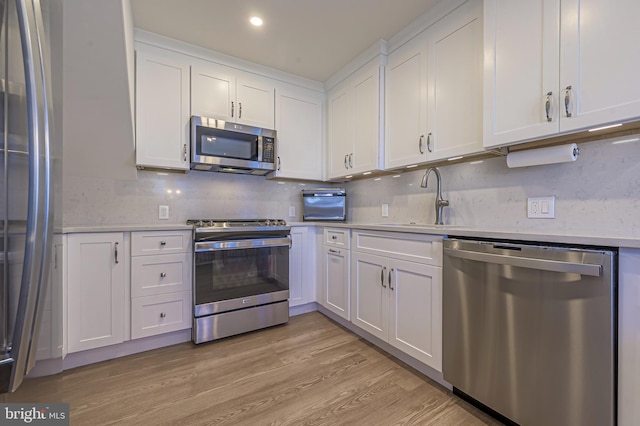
309,38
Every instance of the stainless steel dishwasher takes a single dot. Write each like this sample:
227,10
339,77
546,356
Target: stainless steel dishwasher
529,331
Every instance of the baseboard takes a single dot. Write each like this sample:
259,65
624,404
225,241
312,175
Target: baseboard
431,373
303,309
130,347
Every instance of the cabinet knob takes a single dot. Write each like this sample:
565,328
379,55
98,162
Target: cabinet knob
163,274
163,243
334,237
162,315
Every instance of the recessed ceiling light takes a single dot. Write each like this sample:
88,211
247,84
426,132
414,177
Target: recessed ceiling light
256,21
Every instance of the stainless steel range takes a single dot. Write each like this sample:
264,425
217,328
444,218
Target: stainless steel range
241,276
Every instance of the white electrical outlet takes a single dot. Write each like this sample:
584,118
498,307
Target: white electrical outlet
292,211
163,212
385,210
541,208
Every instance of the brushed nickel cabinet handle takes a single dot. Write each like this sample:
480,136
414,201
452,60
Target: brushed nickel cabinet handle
232,107
382,276
184,152
279,163
239,109
390,286
547,106
420,145
163,243
115,252
351,160
334,251
346,161
163,274
567,100
162,315
429,143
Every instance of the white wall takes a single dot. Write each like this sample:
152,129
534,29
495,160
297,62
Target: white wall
599,194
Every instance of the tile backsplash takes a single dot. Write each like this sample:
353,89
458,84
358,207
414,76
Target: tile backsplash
599,194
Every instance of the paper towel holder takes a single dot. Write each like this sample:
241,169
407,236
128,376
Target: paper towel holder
541,156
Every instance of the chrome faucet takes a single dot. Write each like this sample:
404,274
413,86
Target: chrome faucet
440,202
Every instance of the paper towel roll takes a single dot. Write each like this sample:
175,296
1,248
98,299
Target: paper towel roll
551,155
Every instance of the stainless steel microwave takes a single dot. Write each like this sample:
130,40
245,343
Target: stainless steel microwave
221,146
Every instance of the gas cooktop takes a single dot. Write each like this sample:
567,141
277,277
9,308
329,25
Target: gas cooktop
235,223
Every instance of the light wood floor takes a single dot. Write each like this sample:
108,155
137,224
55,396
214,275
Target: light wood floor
311,372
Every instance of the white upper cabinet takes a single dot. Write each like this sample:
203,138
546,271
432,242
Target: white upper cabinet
434,91
218,91
162,109
455,79
406,105
569,72
299,126
354,138
599,60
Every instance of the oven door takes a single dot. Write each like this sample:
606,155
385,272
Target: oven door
237,274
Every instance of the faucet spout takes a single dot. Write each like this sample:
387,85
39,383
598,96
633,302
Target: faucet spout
440,202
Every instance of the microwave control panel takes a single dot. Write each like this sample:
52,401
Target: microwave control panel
268,150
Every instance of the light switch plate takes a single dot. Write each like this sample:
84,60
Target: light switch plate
292,211
163,212
541,208
385,210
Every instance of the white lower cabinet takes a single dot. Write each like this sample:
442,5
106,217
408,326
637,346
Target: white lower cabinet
161,270
96,283
396,300
335,291
629,338
302,285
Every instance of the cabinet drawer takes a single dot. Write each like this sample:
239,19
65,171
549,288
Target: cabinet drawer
159,242
166,273
336,237
159,314
421,248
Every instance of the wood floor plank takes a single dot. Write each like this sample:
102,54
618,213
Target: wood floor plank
308,372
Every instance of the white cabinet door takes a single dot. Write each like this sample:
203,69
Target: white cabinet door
520,71
162,109
256,102
96,290
336,281
406,105
299,124
302,269
354,123
340,138
629,338
213,91
296,269
223,93
455,84
366,120
416,311
369,294
599,59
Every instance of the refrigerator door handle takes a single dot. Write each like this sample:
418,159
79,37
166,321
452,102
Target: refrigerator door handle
38,233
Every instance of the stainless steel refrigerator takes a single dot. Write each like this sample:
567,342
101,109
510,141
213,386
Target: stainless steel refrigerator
26,178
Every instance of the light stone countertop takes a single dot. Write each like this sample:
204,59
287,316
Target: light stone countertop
126,228
586,238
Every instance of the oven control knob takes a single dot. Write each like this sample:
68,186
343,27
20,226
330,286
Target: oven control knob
267,222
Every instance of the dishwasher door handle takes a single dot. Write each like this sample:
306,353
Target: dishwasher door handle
527,262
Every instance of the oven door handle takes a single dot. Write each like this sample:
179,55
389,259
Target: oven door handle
202,246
